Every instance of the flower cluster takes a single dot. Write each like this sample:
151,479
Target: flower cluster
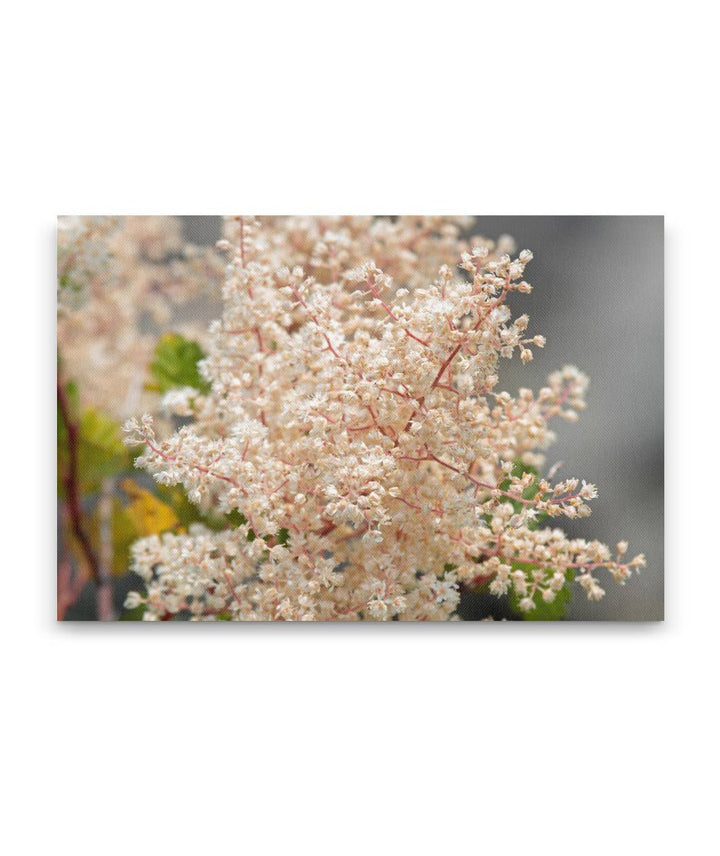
117,279
354,434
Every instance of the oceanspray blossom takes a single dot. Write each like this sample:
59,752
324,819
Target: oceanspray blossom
354,434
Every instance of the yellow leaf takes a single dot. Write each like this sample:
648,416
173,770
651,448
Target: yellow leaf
148,514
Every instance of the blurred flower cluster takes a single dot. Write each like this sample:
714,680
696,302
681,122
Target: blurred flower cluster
133,304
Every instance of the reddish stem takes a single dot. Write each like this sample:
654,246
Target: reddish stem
70,481
71,485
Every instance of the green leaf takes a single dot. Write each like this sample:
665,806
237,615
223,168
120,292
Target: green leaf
101,451
235,519
175,364
73,394
519,470
543,611
135,614
187,512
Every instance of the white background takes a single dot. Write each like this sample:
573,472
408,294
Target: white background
345,740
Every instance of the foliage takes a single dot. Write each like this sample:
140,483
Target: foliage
518,471
100,450
175,364
542,611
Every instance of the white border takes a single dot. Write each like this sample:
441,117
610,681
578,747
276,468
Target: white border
332,739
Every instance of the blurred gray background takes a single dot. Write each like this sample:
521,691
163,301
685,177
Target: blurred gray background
598,299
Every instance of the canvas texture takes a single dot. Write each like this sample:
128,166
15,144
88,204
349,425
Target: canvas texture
360,418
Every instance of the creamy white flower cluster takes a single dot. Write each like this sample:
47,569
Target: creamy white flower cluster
118,276
353,421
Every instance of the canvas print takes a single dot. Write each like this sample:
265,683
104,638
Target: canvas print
359,418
